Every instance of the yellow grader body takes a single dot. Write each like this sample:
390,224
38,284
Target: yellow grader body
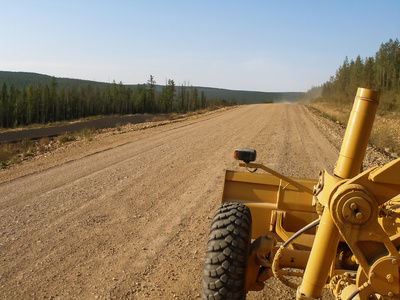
340,232
271,200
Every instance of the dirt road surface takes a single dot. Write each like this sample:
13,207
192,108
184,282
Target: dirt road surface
127,216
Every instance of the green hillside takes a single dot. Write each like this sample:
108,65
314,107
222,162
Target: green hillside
250,96
29,98
23,79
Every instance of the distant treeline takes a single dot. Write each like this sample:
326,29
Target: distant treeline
380,73
49,103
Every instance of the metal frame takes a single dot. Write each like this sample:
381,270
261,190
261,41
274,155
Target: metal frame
354,248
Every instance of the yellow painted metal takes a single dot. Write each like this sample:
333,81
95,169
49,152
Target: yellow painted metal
390,173
328,186
294,259
390,223
357,134
348,291
321,258
355,212
282,205
263,193
287,223
348,165
292,181
382,191
384,276
258,250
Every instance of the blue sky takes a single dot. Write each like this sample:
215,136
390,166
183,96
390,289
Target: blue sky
243,45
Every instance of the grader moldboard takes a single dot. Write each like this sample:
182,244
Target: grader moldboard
340,232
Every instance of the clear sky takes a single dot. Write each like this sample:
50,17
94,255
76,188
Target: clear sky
258,45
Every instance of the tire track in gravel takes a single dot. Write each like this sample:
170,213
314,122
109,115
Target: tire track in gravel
112,162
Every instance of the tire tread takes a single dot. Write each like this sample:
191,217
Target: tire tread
227,252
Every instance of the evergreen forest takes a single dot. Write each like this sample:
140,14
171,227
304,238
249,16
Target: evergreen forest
380,73
48,103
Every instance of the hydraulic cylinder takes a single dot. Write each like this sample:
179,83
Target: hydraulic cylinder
357,134
348,165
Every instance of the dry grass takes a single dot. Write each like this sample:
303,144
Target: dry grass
177,116
13,153
385,134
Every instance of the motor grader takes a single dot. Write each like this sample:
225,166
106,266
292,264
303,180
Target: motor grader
340,232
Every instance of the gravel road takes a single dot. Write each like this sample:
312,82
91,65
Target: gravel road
127,215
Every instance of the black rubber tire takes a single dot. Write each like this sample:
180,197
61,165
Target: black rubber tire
227,252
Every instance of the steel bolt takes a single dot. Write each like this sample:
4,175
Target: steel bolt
389,278
390,294
359,216
353,206
394,261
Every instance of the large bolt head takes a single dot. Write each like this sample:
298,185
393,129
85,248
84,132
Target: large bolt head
389,278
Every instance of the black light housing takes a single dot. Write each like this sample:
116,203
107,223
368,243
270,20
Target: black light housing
246,155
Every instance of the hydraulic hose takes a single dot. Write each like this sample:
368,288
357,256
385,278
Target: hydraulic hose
300,232
275,262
